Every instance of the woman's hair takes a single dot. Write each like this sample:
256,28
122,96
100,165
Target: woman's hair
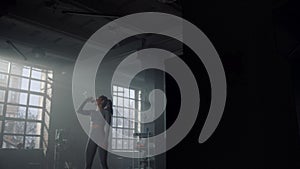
103,98
109,106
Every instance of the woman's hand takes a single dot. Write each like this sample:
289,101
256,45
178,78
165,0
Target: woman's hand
85,112
90,99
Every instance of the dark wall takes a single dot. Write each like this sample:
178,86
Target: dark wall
63,116
259,126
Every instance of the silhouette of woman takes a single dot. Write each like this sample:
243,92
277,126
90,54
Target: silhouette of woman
99,130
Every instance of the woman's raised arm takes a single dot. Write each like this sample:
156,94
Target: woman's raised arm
80,109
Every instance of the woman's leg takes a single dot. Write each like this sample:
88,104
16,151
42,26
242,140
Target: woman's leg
90,151
103,157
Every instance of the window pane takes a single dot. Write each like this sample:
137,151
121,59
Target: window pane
131,124
119,144
14,127
132,94
126,92
1,110
2,95
120,102
114,110
1,126
4,65
49,90
119,112
114,122
130,145
139,106
47,120
119,122
130,134
11,141
15,111
119,133
50,73
131,113
3,80
126,123
45,146
132,104
120,91
50,77
32,142
18,83
114,100
125,133
114,134
20,70
36,100
38,74
126,102
140,95
33,128
35,113
126,113
17,97
115,90
46,135
37,86
26,71
48,105
113,144
125,144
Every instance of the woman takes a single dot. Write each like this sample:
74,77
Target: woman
99,130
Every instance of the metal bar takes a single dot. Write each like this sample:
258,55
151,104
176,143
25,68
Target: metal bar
78,5
16,49
45,27
94,14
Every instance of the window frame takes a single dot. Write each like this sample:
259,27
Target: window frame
136,127
44,94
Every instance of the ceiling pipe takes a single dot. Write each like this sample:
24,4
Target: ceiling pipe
78,5
16,49
166,1
30,22
93,14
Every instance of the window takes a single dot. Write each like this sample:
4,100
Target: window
126,117
25,101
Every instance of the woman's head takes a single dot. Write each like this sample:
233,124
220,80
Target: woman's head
104,103
109,106
101,101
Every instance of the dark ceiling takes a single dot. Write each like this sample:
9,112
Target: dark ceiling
286,20
61,27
